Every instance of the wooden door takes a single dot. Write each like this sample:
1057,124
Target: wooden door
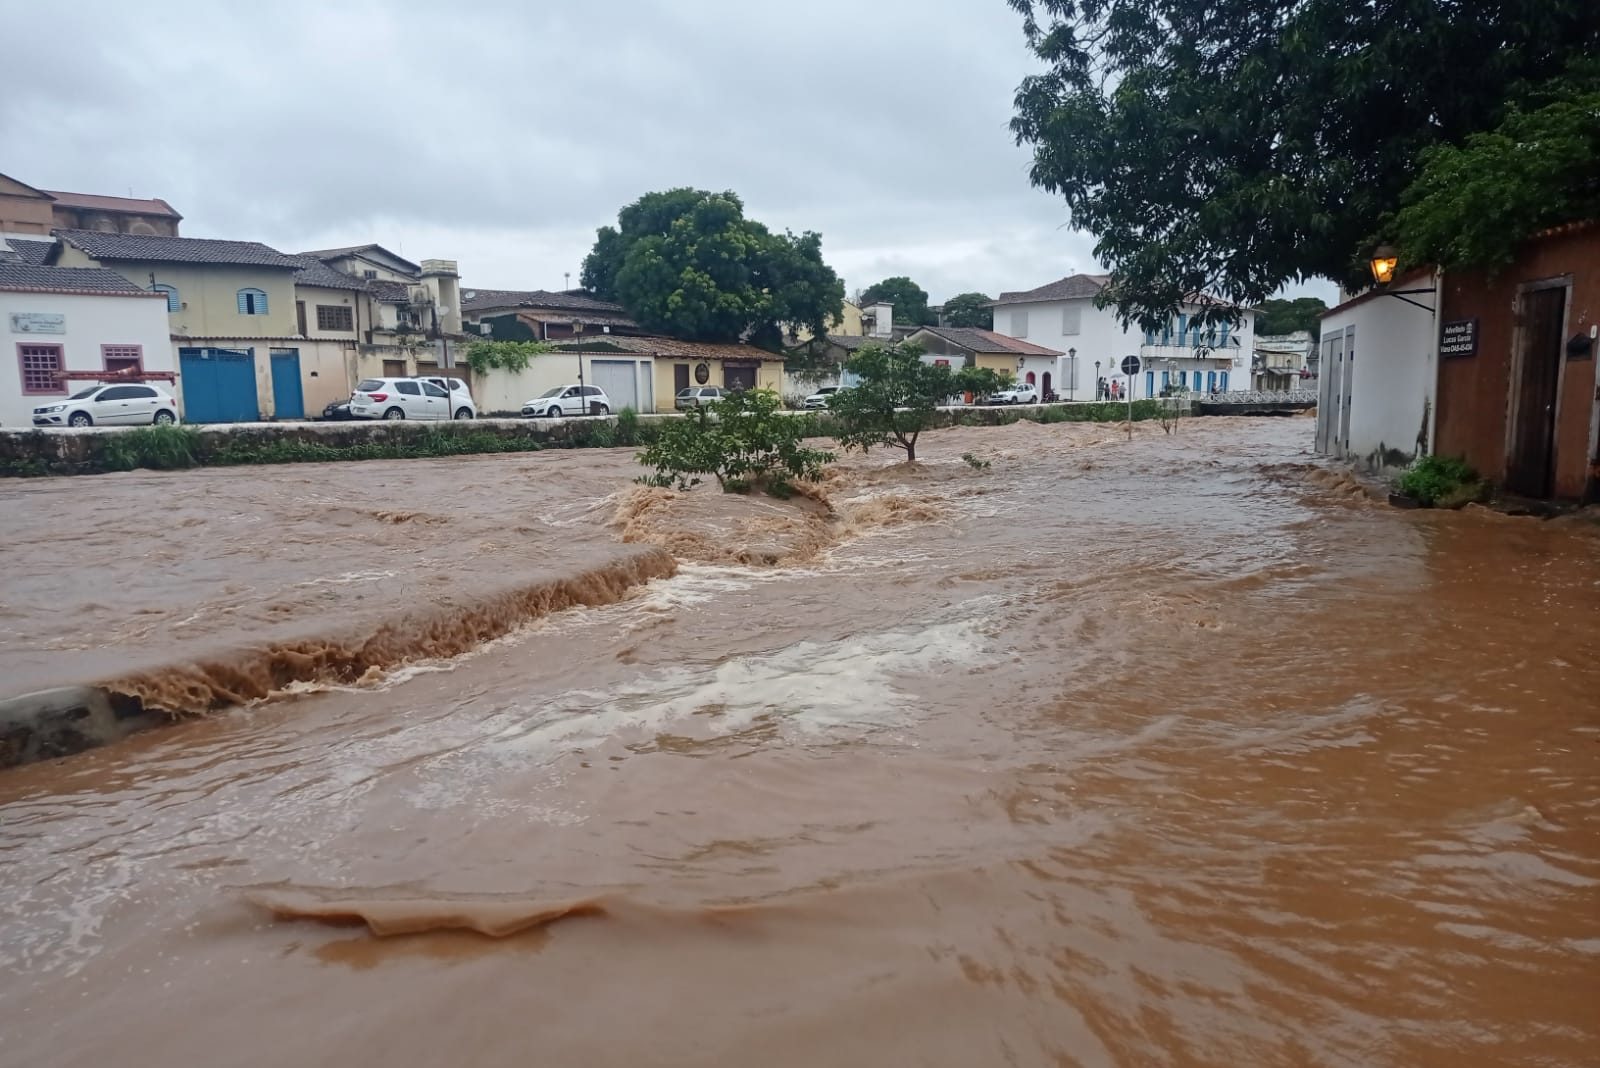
1530,463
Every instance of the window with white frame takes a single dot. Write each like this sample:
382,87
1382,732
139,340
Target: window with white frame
335,317
119,358
252,302
1072,319
1019,323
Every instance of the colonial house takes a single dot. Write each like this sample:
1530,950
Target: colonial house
25,210
1022,361
231,313
1062,315
1497,368
83,322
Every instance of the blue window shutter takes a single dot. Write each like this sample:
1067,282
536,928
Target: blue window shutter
1183,327
244,302
261,303
171,295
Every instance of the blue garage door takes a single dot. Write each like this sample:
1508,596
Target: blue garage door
219,385
288,401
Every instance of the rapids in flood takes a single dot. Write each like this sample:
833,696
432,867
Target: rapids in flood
1076,751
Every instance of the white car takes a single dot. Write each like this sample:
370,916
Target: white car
460,395
1023,394
697,397
135,404
569,400
408,398
821,397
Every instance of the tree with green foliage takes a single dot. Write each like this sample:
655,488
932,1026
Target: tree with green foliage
909,299
1279,316
895,395
1472,203
1231,146
688,263
743,441
969,309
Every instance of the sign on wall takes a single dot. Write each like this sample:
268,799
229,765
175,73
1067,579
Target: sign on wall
1458,337
38,323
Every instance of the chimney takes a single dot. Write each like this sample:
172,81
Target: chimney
879,319
444,282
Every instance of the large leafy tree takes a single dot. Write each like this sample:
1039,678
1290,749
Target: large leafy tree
969,309
1280,316
1234,145
688,263
895,396
909,299
1471,203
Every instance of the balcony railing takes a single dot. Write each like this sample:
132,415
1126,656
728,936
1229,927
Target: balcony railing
1186,352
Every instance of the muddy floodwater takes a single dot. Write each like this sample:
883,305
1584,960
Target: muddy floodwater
1178,751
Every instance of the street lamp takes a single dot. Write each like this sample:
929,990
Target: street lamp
1384,260
1383,263
1072,369
1097,380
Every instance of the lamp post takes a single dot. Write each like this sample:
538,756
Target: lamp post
1383,263
1097,380
1072,371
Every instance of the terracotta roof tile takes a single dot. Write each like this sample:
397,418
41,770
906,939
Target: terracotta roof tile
976,340
126,205
98,280
139,247
1070,288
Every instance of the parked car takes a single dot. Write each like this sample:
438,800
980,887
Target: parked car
698,397
407,398
569,400
120,405
1023,394
459,393
820,398
337,410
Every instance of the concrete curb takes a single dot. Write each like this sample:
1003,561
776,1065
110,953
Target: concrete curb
57,723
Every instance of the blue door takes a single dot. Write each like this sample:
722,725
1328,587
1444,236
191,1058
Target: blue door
219,385
1223,381
1211,381
288,400
1149,383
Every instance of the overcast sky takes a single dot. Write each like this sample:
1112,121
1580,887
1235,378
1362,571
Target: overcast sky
502,134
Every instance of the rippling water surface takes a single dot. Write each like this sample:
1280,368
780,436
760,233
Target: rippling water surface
1175,752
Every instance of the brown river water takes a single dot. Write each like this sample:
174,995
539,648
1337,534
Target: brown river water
1178,751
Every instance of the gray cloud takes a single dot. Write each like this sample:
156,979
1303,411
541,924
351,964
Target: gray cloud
502,134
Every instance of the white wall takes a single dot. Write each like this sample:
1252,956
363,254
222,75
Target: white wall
91,321
503,391
1096,335
1393,378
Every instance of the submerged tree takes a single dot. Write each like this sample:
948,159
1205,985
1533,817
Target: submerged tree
895,395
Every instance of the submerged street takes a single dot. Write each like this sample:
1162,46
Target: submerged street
1073,751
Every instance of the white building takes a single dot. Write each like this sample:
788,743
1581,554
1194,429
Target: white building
1379,411
1062,315
55,319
